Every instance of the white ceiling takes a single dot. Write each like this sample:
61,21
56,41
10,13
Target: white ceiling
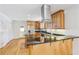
21,11
55,7
27,11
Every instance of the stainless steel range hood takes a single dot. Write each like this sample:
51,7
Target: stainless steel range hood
45,12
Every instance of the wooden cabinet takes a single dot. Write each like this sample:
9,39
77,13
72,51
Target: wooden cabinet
45,25
30,25
33,24
41,49
68,46
63,47
56,48
37,25
58,19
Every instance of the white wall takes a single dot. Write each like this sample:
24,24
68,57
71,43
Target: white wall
16,24
72,24
72,19
5,29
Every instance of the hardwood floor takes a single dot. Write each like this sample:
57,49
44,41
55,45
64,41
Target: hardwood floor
15,47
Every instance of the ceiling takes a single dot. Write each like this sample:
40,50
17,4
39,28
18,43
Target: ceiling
56,7
27,11
21,11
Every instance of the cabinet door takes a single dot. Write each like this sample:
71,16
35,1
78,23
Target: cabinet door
62,47
46,25
56,48
62,19
58,19
68,45
37,25
41,49
30,25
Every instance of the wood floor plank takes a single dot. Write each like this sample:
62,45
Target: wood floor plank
14,48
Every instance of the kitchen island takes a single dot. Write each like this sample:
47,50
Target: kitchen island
62,46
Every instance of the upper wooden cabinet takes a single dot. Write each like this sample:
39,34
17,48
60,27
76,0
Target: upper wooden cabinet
33,24
58,19
45,25
37,25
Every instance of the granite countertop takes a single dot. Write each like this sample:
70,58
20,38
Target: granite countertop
57,37
62,38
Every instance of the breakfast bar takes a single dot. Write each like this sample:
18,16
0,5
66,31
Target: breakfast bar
56,45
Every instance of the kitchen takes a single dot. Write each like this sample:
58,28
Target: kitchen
53,35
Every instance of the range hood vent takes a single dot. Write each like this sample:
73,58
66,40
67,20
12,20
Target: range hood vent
45,12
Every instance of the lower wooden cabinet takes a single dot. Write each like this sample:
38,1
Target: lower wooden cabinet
68,46
55,48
